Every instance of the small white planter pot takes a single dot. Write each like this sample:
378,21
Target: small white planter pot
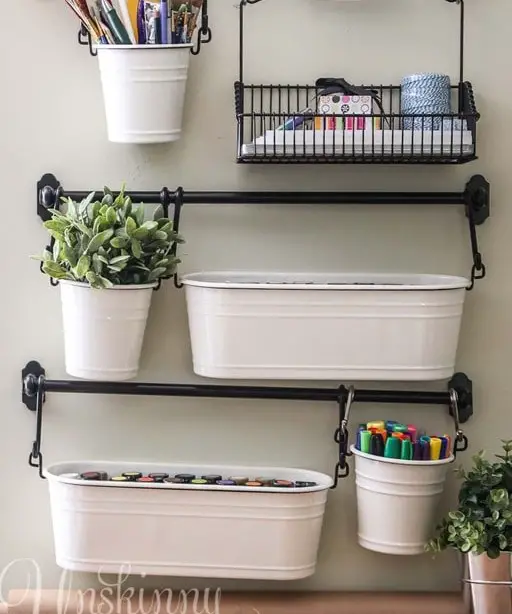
397,502
491,585
144,91
104,329
186,530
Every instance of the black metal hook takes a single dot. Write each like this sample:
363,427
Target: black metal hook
84,38
178,204
341,435
35,458
477,200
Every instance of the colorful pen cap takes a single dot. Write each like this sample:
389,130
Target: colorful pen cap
226,483
238,480
253,483
119,478
186,477
377,424
435,448
175,481
305,484
390,424
413,432
393,447
282,484
365,438
199,482
132,475
146,479
399,428
159,477
406,451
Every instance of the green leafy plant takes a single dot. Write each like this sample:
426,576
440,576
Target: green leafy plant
482,522
108,242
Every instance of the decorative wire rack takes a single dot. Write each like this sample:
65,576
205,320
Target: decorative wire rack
285,124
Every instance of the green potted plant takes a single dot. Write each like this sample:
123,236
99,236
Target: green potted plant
481,528
108,260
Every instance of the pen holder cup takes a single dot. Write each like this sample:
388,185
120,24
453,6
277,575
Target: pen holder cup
144,91
397,502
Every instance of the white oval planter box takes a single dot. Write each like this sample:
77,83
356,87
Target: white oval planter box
144,91
104,329
324,327
184,530
397,502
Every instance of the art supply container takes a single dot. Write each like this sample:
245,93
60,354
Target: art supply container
397,502
144,91
176,529
104,329
327,326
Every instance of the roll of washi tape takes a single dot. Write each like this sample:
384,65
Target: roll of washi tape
175,481
265,481
186,477
282,484
146,479
212,478
91,476
199,482
239,480
159,477
253,484
226,483
120,478
132,475
305,484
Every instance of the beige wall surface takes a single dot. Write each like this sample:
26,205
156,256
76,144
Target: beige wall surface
51,119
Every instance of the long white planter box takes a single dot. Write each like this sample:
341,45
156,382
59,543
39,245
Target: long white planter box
324,327
184,530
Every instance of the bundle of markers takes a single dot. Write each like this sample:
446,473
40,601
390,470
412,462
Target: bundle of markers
188,478
391,439
138,22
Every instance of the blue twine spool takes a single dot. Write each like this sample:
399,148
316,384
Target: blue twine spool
425,94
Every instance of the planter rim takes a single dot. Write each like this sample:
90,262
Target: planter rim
255,280
81,284
397,461
117,47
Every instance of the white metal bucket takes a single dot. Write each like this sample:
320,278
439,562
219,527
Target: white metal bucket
185,530
104,329
336,326
144,91
397,502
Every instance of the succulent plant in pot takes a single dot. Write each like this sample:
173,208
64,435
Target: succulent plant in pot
108,259
481,528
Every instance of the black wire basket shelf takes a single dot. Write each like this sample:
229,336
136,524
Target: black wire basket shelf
295,124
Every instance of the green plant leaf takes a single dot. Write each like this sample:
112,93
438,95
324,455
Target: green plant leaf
150,226
84,205
56,250
97,264
119,260
111,215
54,270
69,254
98,240
119,242
139,214
83,266
156,274
136,248
159,213
141,233
130,226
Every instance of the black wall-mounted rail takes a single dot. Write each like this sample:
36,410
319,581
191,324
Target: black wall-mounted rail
475,198
35,386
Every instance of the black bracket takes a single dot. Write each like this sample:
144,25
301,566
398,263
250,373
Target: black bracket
463,386
477,198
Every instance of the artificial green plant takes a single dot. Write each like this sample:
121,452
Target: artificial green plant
482,523
106,243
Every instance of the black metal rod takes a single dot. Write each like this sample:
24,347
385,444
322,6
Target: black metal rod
245,392
298,198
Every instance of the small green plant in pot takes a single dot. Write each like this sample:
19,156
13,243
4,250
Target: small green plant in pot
108,259
481,528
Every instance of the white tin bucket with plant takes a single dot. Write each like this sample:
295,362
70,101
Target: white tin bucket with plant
108,260
481,529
